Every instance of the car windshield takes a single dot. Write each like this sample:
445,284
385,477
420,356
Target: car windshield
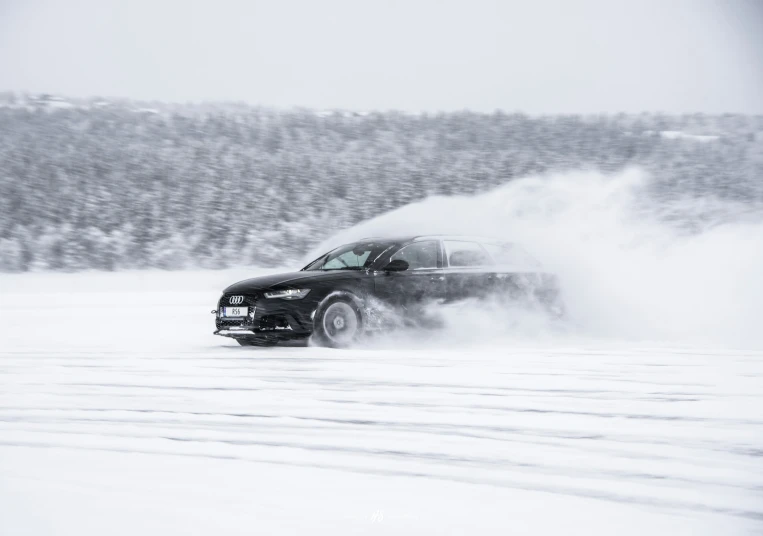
358,256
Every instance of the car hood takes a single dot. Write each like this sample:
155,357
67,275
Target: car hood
291,279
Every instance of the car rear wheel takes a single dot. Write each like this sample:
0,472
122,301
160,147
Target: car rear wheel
251,341
337,324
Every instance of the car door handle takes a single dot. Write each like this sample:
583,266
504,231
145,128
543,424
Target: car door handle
437,278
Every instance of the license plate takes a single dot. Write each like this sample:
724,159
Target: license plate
235,311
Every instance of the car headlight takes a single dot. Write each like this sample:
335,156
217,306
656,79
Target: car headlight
288,294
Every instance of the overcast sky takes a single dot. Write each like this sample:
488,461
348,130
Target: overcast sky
535,56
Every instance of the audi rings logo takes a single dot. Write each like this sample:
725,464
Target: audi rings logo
236,300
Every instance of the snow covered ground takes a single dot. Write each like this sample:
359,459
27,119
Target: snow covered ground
121,413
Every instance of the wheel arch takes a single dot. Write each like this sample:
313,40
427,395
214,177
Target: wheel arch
358,303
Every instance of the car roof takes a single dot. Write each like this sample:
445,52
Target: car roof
385,239
418,238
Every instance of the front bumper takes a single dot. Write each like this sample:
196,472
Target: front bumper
269,318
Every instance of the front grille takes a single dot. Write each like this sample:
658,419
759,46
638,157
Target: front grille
249,300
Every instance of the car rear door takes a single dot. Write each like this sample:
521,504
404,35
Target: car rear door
519,276
469,270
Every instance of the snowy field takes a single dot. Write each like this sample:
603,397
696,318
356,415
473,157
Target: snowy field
121,413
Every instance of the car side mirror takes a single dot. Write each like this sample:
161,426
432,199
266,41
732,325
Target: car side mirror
398,265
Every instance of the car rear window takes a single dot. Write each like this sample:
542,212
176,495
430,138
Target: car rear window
463,253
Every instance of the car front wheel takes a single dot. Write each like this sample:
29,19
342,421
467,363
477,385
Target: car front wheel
337,324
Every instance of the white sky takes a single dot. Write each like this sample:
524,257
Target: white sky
537,56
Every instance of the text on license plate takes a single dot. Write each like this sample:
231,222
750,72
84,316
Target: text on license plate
235,311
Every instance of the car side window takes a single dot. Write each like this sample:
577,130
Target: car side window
419,255
461,253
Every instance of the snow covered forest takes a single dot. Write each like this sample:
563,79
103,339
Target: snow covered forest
112,184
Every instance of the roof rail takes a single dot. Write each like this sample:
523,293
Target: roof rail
476,238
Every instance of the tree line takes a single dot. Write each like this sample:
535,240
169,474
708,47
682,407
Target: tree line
114,184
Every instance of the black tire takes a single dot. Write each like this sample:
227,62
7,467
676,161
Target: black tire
251,341
338,323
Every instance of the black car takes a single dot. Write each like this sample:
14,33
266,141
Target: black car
372,284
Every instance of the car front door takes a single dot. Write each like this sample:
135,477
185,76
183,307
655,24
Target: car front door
422,283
